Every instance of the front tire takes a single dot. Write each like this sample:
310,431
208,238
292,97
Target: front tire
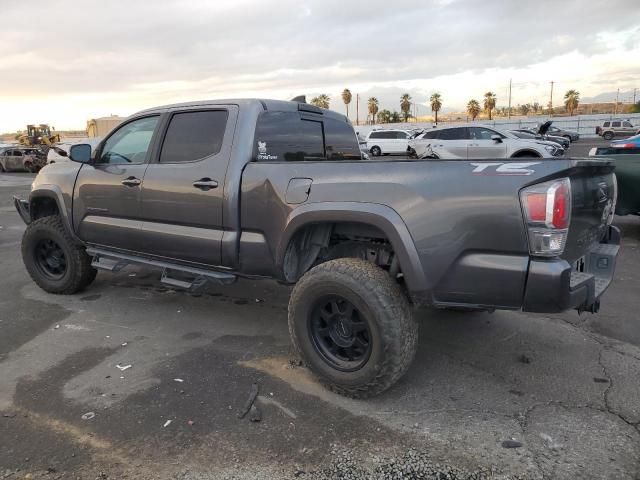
52,258
376,152
353,326
608,136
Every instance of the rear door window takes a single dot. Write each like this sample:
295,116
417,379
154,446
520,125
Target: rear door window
454,134
615,124
285,136
193,136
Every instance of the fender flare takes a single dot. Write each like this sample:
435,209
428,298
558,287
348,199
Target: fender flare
381,216
55,193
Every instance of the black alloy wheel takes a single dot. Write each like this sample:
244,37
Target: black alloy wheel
340,333
50,259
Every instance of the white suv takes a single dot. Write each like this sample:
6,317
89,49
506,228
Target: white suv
478,141
385,142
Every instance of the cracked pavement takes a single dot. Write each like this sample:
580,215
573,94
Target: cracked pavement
567,387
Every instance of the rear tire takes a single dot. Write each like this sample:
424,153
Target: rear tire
52,258
376,152
353,326
608,136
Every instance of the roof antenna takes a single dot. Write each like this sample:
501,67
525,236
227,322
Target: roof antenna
299,99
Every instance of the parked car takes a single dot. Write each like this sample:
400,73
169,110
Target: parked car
617,128
478,141
539,139
560,132
386,142
60,151
528,134
627,143
212,191
627,162
20,159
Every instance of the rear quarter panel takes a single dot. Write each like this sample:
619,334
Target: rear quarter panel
464,220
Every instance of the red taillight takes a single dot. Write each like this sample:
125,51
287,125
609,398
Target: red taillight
624,145
547,209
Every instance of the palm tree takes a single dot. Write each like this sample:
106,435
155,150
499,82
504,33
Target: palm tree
372,105
346,98
536,107
571,100
384,116
321,100
473,109
436,104
489,102
395,117
405,106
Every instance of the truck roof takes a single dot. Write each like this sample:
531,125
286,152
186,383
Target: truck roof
267,104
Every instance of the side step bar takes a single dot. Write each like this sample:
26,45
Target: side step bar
191,278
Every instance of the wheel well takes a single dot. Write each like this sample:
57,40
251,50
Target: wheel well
43,207
526,153
321,242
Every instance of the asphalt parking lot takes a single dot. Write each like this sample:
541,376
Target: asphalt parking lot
566,387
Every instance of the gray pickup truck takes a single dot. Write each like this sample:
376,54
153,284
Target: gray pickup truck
212,191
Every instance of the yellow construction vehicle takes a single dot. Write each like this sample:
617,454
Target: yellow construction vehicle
38,135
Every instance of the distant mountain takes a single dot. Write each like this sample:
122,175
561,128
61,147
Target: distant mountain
606,97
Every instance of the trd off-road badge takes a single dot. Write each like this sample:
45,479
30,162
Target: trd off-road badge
262,152
503,168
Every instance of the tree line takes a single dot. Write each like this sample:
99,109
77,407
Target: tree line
473,108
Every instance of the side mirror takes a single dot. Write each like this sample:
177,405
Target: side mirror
496,138
80,153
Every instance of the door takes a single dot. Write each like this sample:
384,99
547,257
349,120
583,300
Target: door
451,143
627,129
106,206
401,142
183,190
481,145
14,161
617,128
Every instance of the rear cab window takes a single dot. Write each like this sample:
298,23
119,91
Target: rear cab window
292,137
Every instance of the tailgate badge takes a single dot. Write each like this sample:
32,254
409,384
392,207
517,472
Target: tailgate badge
504,168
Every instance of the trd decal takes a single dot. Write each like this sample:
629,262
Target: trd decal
504,168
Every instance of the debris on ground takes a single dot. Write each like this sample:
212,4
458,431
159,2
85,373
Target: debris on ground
524,359
124,344
56,327
511,444
9,415
88,416
600,380
167,423
253,394
254,414
179,380
122,368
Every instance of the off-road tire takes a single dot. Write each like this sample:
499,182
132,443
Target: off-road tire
608,135
79,272
394,332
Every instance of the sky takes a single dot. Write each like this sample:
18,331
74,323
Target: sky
77,60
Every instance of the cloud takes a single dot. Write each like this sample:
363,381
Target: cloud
170,49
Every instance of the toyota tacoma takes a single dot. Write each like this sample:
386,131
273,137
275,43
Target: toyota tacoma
213,191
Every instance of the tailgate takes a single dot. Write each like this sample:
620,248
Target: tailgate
593,197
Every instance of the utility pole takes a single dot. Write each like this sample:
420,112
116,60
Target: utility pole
551,100
357,109
634,95
510,98
615,108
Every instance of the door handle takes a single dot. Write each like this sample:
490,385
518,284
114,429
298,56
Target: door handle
205,184
131,182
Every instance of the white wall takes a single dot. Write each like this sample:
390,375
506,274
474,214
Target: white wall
585,125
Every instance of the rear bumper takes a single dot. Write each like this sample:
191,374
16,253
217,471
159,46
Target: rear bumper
555,285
